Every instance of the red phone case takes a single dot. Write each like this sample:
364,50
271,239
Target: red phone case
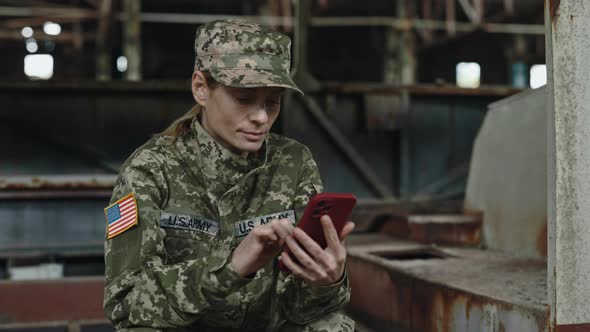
336,205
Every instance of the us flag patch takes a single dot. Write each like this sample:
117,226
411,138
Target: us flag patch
121,215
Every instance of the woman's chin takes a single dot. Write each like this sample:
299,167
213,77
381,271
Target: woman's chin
249,146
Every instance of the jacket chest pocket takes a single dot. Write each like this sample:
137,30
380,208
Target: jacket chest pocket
182,245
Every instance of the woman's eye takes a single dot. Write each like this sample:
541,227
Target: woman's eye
244,100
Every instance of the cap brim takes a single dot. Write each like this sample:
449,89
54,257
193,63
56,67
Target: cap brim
253,78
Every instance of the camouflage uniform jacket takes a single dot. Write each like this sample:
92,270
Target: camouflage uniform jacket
194,199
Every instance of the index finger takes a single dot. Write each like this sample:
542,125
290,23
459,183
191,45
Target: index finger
330,234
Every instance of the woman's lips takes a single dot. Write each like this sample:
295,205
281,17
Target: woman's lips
254,135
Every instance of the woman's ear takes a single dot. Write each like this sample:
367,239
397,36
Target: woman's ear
200,88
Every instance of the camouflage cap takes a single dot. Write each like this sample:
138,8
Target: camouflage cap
244,54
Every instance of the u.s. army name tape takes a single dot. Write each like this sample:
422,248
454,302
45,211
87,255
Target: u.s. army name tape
189,223
244,227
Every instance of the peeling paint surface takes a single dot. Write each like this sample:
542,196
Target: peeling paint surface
474,290
54,300
508,175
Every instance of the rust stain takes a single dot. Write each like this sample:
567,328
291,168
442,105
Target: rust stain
54,300
473,212
553,7
417,305
447,230
548,323
37,183
542,241
584,327
396,226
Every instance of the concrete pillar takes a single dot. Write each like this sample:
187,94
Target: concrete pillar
132,39
567,25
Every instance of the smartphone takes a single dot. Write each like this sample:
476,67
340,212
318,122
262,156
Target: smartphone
336,205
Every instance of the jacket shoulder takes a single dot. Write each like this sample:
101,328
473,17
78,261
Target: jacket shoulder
151,154
281,143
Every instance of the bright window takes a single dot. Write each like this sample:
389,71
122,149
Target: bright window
468,74
538,76
39,66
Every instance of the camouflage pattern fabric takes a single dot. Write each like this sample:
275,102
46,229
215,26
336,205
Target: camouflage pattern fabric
172,271
331,322
244,54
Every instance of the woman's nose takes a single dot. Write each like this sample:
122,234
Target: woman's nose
259,115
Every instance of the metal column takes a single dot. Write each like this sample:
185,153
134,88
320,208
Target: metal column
103,42
132,39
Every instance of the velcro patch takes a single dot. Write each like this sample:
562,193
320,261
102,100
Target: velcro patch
121,215
189,223
245,226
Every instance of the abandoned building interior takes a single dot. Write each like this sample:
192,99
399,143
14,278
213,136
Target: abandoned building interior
461,126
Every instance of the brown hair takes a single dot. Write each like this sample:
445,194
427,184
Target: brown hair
182,125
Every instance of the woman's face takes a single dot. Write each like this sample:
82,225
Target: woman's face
240,118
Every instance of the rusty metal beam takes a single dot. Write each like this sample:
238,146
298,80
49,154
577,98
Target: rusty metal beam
64,37
469,10
66,299
478,289
58,182
49,12
69,249
402,24
179,86
506,28
18,23
44,194
346,147
422,89
69,326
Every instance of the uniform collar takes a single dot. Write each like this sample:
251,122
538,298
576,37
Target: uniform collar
216,161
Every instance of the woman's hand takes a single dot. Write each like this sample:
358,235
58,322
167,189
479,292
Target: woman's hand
317,266
260,246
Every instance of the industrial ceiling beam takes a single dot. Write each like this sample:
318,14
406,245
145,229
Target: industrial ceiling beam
384,21
18,23
52,12
470,11
64,37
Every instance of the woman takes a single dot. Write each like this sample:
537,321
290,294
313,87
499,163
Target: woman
200,213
